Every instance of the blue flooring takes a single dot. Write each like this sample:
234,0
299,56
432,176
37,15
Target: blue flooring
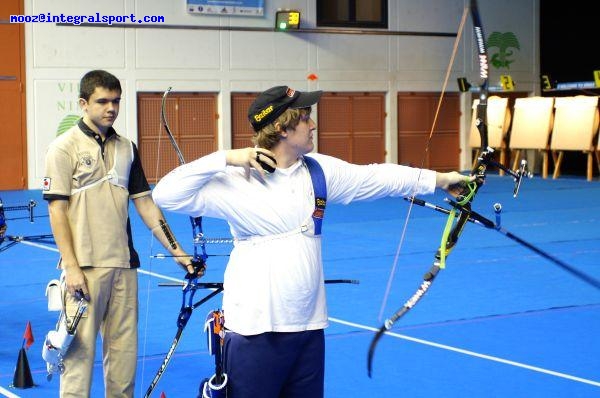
499,321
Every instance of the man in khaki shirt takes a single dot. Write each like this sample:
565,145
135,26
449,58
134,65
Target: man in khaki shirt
91,173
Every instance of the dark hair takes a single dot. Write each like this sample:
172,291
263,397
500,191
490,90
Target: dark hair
97,78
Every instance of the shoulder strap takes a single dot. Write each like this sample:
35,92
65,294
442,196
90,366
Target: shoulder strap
119,173
320,189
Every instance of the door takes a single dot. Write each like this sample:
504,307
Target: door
13,138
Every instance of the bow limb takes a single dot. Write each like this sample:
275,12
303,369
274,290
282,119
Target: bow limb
163,119
468,192
187,307
198,263
457,217
481,112
198,260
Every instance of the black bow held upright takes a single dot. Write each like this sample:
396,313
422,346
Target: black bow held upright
461,211
191,283
198,260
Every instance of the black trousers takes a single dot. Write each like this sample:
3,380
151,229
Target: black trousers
275,364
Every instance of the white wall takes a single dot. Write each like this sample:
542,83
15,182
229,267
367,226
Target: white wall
239,61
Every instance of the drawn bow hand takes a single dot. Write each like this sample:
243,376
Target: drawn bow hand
260,159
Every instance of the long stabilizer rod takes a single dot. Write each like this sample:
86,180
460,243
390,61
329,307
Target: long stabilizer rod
479,219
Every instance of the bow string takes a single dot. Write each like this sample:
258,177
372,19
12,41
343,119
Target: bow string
460,214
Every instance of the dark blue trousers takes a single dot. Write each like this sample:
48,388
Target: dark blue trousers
275,365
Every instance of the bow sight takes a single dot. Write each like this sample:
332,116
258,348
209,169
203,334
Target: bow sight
486,157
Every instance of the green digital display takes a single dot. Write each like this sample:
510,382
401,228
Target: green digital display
285,20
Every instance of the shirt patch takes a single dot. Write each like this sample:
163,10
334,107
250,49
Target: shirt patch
46,183
85,159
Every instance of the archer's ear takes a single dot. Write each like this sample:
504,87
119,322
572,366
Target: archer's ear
280,130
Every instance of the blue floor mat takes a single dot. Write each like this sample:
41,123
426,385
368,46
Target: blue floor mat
499,321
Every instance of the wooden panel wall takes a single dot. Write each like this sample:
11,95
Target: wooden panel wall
192,119
351,126
415,117
241,129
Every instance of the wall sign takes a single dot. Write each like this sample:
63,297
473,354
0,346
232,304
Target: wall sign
251,8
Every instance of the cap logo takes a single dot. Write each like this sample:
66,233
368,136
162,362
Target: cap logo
290,92
259,116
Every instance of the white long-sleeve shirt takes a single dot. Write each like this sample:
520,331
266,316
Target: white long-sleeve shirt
274,278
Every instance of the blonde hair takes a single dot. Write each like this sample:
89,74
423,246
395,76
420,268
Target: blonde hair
270,135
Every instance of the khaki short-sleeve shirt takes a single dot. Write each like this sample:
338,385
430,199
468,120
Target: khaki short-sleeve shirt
77,165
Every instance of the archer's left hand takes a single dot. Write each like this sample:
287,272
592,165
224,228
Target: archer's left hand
189,265
453,182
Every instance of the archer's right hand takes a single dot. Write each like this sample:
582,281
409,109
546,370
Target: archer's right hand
75,282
